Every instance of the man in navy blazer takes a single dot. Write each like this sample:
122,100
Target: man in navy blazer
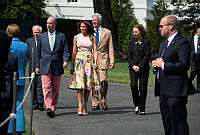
171,77
38,99
52,56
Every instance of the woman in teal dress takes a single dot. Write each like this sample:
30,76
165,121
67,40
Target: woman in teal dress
83,67
19,49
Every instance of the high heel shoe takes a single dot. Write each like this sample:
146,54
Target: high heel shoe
85,114
142,113
80,113
136,111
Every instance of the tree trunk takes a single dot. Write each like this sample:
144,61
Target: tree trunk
103,7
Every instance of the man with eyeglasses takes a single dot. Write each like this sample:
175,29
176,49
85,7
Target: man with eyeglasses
52,56
195,58
171,77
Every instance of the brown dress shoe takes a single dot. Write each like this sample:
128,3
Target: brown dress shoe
104,106
95,108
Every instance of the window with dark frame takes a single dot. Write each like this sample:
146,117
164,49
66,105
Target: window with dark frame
72,0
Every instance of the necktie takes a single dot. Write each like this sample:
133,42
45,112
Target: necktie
97,37
165,48
36,42
51,41
163,53
198,46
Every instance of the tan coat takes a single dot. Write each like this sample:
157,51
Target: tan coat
105,50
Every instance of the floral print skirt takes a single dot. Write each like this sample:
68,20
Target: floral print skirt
85,76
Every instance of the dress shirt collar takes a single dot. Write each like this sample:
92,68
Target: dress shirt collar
98,28
195,36
54,33
171,38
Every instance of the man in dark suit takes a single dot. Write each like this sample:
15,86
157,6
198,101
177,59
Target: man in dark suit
7,96
4,49
195,58
38,99
52,56
171,77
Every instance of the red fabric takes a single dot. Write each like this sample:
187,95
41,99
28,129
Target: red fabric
50,86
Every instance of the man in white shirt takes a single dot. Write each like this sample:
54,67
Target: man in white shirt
38,99
195,57
171,77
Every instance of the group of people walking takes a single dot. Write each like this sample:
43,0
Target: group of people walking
92,57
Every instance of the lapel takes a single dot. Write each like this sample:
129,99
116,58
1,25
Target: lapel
101,37
33,42
193,47
171,45
161,48
55,43
46,37
56,40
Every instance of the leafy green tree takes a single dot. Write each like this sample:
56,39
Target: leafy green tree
104,8
188,11
22,8
124,18
159,9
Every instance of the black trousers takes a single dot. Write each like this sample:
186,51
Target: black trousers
174,115
195,70
139,95
38,98
6,108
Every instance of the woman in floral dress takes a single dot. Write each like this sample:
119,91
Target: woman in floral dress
83,67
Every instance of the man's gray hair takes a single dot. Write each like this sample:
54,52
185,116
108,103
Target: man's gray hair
35,26
99,15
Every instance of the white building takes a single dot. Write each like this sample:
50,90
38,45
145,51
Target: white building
70,9
83,9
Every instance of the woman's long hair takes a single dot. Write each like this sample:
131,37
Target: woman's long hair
90,30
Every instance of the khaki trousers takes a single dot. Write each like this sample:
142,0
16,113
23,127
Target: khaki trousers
104,88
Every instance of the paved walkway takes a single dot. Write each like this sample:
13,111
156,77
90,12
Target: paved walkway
118,120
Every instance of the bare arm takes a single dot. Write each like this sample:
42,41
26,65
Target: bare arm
95,51
73,54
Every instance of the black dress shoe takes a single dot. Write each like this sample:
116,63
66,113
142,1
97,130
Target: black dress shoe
198,91
95,108
41,108
50,113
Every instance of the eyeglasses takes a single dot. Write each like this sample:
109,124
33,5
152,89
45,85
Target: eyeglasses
50,23
161,26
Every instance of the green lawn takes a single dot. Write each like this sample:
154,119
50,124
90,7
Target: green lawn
27,125
119,74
